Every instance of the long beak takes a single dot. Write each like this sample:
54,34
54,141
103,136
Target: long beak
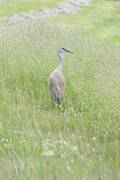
68,51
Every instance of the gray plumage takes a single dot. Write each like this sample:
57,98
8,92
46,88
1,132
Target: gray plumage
56,79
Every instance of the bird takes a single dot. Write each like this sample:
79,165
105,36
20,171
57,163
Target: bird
56,79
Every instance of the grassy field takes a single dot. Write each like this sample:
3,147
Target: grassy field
17,6
79,140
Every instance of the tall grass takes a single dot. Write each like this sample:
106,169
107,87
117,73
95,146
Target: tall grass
81,138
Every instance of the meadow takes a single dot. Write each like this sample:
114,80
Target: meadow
80,139
17,6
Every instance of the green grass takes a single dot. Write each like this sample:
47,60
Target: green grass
81,138
18,6
102,19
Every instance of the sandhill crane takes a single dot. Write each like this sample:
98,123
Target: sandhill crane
56,79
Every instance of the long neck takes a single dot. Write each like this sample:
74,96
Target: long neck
59,66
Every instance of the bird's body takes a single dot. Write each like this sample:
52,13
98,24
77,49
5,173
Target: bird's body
56,80
56,86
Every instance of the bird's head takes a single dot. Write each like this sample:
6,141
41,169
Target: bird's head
63,50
